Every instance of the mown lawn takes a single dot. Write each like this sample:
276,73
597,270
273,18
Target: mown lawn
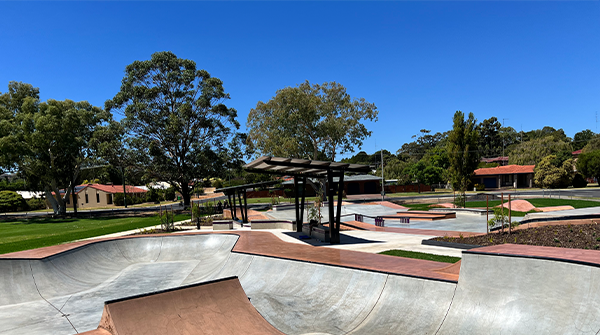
37,233
537,202
268,200
421,255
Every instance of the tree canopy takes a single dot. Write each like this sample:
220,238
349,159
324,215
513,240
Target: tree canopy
582,138
48,142
533,151
310,121
588,164
550,173
177,124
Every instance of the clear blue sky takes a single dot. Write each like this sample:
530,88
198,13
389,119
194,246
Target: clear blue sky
534,63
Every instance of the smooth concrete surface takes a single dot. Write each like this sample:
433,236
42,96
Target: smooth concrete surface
495,294
466,222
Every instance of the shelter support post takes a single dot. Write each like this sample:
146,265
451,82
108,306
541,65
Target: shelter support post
334,235
239,194
339,203
297,207
302,202
234,209
246,206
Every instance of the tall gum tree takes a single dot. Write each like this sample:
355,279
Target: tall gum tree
310,121
176,121
48,142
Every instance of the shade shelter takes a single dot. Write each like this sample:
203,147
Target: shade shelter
240,192
301,169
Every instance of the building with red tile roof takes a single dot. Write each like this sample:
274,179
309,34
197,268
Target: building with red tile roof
514,176
99,195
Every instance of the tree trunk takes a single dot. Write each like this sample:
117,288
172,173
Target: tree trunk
74,200
186,195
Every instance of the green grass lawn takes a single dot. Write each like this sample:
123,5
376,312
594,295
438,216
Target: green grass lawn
537,202
410,194
268,200
37,233
421,255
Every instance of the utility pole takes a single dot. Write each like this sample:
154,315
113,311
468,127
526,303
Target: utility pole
503,137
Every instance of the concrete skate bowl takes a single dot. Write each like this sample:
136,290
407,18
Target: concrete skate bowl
495,293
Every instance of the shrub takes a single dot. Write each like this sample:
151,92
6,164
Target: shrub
36,203
11,201
479,187
217,183
579,181
152,195
119,200
500,215
170,194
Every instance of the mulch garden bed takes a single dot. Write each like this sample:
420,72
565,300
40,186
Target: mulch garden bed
585,236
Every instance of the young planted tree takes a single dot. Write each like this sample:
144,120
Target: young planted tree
310,121
462,152
176,119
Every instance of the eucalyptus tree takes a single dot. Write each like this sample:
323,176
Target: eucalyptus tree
177,124
48,142
310,121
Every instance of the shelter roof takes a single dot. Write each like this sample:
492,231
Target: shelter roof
507,169
232,189
302,167
350,178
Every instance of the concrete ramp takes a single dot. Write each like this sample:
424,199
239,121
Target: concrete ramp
217,307
498,294
177,287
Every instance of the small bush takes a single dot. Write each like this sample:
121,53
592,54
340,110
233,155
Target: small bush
217,183
579,181
11,201
119,200
152,195
170,194
35,204
479,187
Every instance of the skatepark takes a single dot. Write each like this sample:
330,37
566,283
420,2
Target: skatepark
252,282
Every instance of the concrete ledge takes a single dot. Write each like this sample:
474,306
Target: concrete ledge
223,225
449,244
320,233
475,211
272,224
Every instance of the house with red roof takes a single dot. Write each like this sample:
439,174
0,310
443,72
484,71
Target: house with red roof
513,176
99,195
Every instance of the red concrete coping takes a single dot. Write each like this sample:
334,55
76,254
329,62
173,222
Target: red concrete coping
579,256
205,308
412,231
96,332
267,244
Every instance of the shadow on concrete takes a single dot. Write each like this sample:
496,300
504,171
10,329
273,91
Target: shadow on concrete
344,239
